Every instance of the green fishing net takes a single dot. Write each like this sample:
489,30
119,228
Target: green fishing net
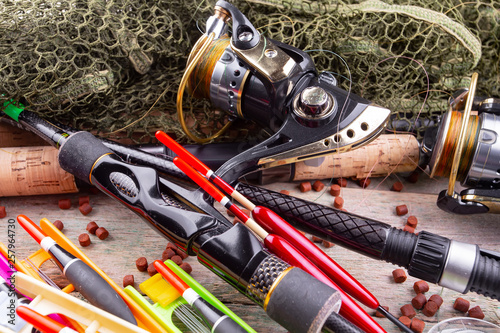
114,66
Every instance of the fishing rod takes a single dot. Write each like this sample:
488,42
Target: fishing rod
137,188
57,135
452,264
208,237
440,264
372,238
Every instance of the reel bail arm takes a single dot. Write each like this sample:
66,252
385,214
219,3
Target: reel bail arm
245,36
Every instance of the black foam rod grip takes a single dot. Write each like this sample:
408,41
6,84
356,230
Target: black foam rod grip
356,233
96,290
369,237
301,303
485,279
79,152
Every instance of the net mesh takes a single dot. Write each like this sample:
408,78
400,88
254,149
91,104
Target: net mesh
102,65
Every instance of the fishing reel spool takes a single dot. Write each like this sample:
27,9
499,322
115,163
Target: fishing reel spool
467,149
277,86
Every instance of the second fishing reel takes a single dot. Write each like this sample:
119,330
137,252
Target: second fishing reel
466,148
277,86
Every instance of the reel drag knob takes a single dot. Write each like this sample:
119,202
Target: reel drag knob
314,101
313,105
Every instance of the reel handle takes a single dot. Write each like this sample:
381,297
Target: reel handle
454,204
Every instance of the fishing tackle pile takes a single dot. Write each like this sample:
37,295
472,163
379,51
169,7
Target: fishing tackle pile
250,76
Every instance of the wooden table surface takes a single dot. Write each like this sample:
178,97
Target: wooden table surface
130,238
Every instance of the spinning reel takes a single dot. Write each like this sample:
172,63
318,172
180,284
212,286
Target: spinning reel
277,86
467,149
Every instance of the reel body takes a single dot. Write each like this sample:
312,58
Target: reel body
478,165
278,87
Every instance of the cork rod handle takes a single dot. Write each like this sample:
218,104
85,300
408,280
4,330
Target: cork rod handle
389,153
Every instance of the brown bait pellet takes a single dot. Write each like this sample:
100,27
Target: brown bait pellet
417,325
436,299
65,204
421,287
476,312
171,245
335,190
342,182
141,264
286,192
151,269
84,199
405,320
380,314
3,213
430,309
461,305
305,187
318,186
229,213
177,259
167,254
84,240
408,311
399,275
419,301
328,244
58,224
181,253
102,233
247,212
186,267
397,186
128,280
401,210
85,209
338,202
364,182
92,227
316,239
409,229
412,221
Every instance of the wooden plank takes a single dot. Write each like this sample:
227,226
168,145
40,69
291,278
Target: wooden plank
131,238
